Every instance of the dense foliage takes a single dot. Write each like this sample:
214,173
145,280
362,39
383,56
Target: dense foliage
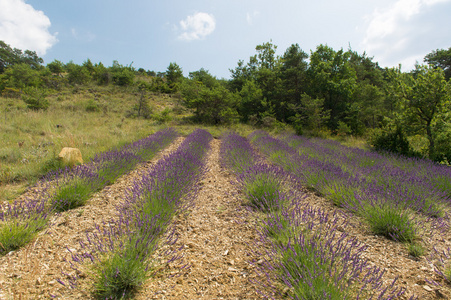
325,92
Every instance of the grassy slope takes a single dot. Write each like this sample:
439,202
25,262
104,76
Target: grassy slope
31,140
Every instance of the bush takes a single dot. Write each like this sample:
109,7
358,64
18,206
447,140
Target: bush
392,141
163,116
92,106
343,129
442,137
36,99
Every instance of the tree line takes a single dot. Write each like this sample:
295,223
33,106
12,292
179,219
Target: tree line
328,91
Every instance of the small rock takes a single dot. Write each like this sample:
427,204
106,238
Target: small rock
226,252
427,288
71,156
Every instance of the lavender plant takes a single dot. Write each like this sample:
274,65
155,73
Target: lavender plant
69,188
262,185
441,260
358,186
420,182
308,254
122,262
20,222
17,233
236,153
76,186
319,262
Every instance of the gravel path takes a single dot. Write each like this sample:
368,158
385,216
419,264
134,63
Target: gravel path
215,236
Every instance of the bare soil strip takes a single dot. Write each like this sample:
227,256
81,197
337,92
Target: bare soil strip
31,272
216,236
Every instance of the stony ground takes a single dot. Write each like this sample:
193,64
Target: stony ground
215,240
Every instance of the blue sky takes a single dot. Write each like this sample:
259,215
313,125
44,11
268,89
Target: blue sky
215,34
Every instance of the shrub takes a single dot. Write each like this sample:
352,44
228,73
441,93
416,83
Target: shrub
163,116
92,106
343,129
36,99
392,140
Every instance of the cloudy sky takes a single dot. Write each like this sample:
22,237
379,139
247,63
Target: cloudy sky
215,34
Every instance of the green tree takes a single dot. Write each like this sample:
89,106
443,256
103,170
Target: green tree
121,75
240,75
21,76
211,101
102,74
310,114
293,74
174,76
204,77
56,67
440,58
422,98
77,74
332,78
251,102
10,57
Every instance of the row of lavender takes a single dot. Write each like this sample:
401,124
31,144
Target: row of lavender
70,188
121,250
306,252
391,206
423,182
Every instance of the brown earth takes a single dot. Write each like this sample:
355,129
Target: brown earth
216,237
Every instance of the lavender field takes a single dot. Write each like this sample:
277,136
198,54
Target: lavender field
299,218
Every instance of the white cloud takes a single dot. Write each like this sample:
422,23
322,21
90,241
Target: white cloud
197,26
23,27
251,16
85,37
406,31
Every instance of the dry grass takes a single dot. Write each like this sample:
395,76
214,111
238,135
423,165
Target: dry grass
31,140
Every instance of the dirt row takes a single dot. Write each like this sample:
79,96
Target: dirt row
32,272
214,239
